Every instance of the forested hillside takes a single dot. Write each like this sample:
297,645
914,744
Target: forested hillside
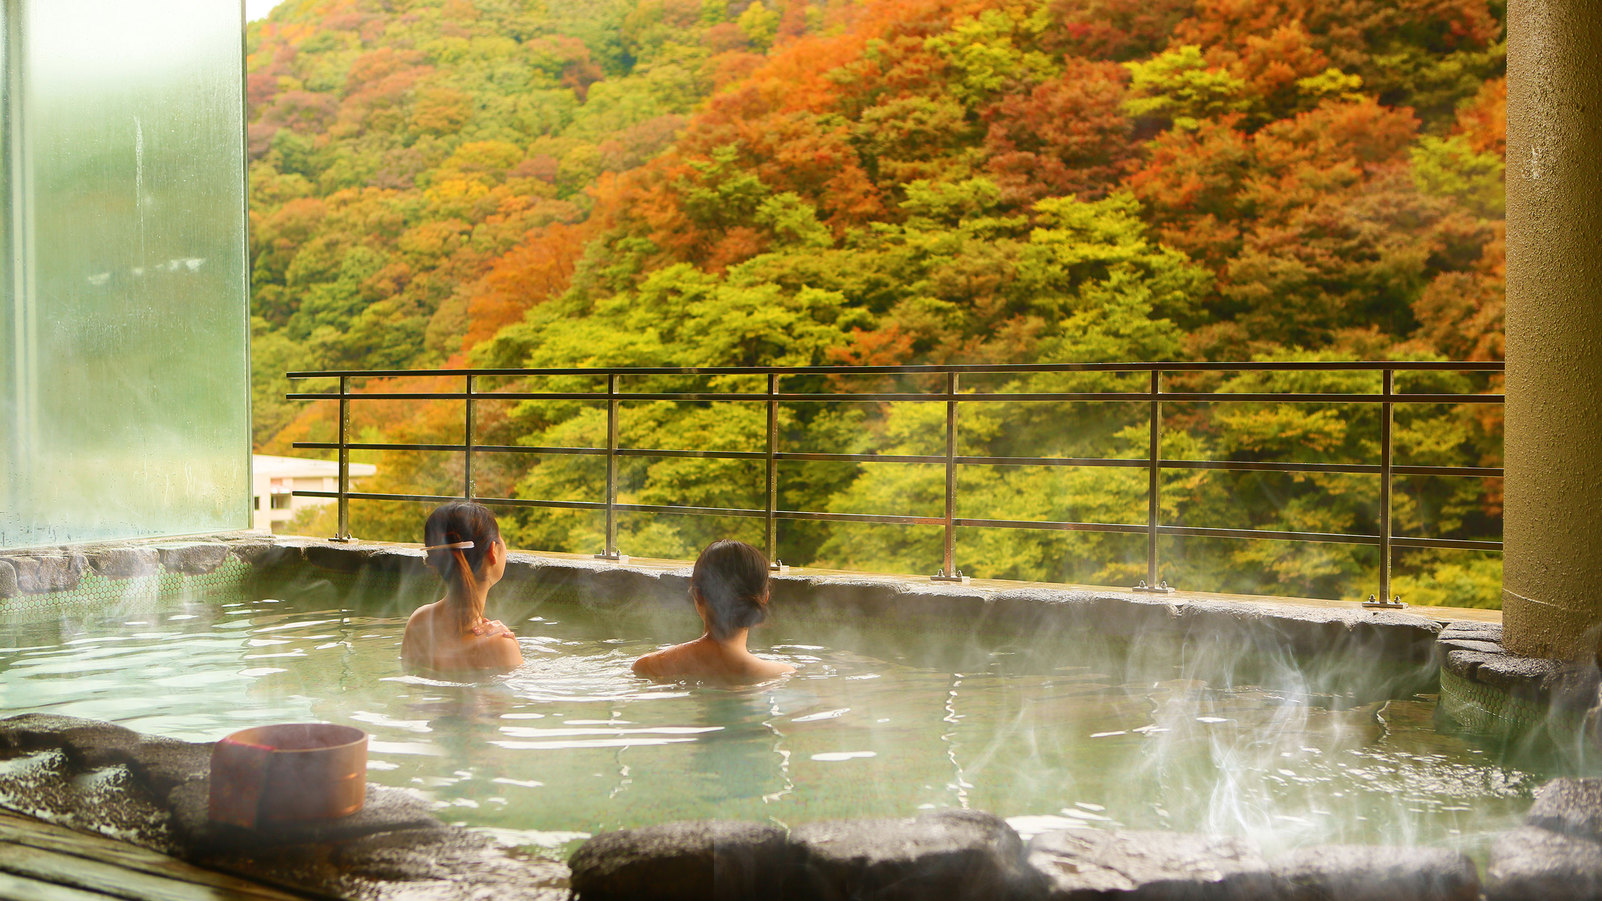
715,182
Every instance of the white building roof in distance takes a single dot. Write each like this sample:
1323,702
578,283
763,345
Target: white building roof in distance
301,468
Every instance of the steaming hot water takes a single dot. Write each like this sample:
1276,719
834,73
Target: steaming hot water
1065,735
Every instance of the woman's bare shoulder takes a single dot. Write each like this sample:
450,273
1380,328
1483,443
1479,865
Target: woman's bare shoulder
675,662
651,665
497,649
423,614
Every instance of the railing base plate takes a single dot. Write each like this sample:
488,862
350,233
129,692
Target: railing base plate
1160,588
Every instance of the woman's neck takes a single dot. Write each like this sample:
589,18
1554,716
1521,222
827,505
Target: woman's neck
460,597
731,645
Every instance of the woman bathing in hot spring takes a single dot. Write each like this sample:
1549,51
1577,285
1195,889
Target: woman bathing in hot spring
730,588
463,544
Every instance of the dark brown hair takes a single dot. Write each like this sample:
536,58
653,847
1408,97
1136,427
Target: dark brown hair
731,579
454,523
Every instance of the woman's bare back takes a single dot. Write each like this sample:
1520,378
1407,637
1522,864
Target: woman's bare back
434,640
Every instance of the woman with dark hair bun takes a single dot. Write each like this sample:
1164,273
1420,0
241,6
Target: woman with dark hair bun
730,588
463,544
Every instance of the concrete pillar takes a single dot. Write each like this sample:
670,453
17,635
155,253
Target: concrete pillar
1552,577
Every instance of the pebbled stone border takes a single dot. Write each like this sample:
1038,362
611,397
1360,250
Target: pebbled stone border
151,791
1486,690
70,574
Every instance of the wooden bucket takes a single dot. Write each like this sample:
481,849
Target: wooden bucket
290,773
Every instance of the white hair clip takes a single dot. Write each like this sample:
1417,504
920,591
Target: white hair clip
463,545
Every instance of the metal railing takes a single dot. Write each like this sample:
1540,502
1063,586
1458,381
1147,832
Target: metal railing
1155,395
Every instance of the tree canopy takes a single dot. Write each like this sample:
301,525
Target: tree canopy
720,182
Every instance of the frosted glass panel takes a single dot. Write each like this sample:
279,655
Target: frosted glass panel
124,382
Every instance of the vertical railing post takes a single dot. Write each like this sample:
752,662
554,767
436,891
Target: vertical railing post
342,533
467,444
948,571
1153,486
772,479
1386,408
1387,451
610,552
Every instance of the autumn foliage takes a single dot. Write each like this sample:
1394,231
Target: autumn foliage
699,182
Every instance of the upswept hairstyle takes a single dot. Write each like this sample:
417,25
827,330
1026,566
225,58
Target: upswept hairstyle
455,523
731,578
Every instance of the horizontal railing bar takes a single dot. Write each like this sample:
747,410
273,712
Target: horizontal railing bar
1347,468
1482,472
1050,525
1050,461
1463,544
932,396
530,449
868,518
334,445
392,395
695,454
492,448
1244,466
1280,366
1269,397
1271,534
691,511
892,519
737,397
431,498
435,498
1231,465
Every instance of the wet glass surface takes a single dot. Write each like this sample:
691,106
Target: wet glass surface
1062,734
124,315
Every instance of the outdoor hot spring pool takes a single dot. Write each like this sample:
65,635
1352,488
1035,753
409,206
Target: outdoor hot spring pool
1068,733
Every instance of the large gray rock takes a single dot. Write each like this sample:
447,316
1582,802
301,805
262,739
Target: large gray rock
442,862
1376,873
1533,864
383,810
125,562
1095,865
47,573
79,738
1473,629
1462,643
1570,807
8,580
692,861
193,559
948,855
264,554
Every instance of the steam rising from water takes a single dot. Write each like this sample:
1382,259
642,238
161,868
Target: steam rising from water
1062,731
